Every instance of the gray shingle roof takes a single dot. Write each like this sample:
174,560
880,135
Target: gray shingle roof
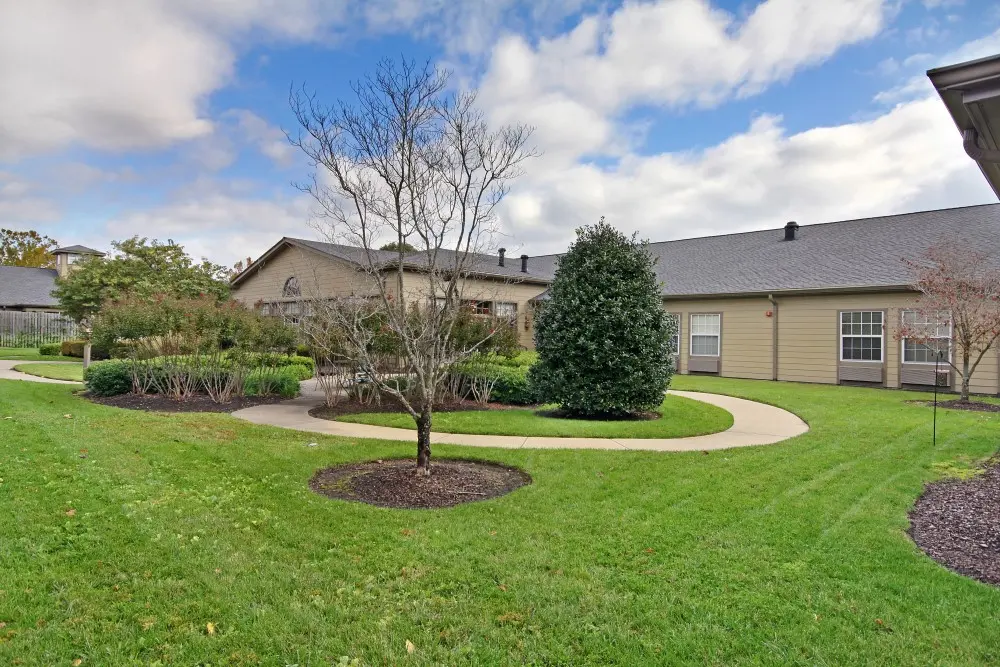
21,286
865,253
79,250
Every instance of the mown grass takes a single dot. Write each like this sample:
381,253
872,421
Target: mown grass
124,535
73,372
29,354
679,417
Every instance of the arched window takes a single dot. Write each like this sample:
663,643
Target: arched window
291,287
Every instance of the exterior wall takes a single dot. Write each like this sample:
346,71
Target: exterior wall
319,277
746,346
808,331
415,286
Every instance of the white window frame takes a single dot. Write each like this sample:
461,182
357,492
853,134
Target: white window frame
717,335
902,342
880,337
510,316
676,351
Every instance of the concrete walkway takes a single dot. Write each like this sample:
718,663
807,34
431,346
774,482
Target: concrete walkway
7,371
753,424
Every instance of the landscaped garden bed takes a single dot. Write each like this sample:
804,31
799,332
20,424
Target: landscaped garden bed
957,523
391,483
195,403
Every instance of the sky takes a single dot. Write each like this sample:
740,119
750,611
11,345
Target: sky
671,118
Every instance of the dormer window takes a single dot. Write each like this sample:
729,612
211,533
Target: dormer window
291,288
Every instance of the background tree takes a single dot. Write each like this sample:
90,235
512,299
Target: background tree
603,338
138,268
26,248
960,287
407,162
396,246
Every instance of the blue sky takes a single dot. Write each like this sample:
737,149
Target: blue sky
673,118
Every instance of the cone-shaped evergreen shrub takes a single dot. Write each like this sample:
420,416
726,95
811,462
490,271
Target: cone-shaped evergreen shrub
603,338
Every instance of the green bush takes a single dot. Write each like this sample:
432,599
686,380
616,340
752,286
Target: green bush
108,378
50,349
74,348
511,386
303,350
300,371
273,381
603,338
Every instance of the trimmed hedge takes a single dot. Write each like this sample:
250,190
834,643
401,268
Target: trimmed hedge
50,349
108,378
74,348
512,385
273,381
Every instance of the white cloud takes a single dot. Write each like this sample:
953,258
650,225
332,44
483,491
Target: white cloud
22,206
224,226
670,53
269,140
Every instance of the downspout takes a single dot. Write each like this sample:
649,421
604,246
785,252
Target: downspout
774,336
970,141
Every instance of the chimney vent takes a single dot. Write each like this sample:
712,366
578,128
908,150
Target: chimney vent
503,251
524,263
790,230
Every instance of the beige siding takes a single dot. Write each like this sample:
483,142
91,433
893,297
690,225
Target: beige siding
319,277
415,285
746,350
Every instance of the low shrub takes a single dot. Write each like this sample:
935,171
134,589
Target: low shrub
108,378
303,350
50,349
510,383
300,371
74,348
273,381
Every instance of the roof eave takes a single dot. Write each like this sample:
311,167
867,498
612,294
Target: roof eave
971,93
804,291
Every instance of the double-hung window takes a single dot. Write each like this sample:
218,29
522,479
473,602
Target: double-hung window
506,310
932,335
706,333
861,335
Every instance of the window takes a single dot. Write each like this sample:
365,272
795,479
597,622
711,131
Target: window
291,288
861,335
480,307
73,259
675,341
705,333
935,335
265,309
506,311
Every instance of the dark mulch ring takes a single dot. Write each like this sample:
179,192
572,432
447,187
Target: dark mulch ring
198,403
388,404
972,406
558,413
394,482
957,523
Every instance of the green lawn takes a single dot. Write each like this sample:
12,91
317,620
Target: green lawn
29,354
681,417
125,534
54,371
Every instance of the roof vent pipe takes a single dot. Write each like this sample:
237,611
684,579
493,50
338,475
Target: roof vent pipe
524,263
502,252
790,230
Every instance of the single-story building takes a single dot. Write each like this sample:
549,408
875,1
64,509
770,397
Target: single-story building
811,303
816,303
30,289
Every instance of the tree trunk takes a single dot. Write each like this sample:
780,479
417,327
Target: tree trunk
965,377
424,442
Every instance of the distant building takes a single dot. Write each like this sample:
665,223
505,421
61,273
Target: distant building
30,289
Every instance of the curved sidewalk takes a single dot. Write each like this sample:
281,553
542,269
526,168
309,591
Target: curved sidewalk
753,424
7,372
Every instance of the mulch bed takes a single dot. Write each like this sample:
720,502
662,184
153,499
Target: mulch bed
394,483
971,406
199,403
957,523
389,404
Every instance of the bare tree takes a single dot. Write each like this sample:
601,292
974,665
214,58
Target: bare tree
408,162
959,289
